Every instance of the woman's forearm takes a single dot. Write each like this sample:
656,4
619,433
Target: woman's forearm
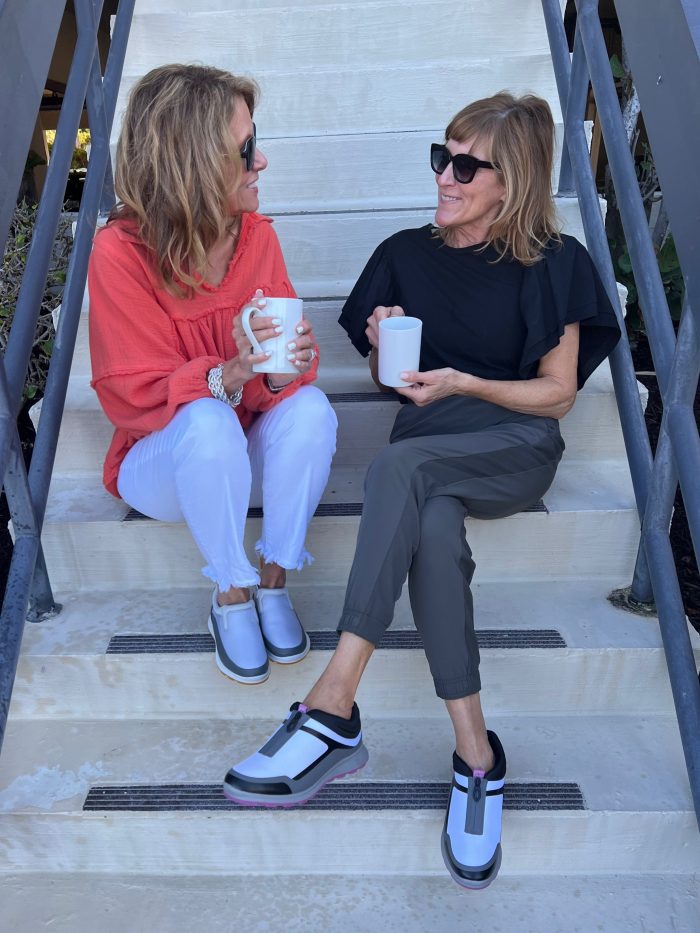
545,395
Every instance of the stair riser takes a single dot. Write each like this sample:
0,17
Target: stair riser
378,843
343,174
397,683
146,554
591,431
329,38
341,69
325,253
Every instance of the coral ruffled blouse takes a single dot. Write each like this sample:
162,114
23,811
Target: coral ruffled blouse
151,351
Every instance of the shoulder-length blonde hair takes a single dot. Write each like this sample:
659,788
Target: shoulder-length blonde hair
177,165
519,135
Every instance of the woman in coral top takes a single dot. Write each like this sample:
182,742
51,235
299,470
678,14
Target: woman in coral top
198,435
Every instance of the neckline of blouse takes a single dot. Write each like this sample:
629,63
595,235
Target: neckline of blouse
238,250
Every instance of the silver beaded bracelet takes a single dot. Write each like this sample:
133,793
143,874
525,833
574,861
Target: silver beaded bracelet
216,387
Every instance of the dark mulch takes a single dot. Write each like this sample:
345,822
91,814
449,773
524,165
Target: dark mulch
681,543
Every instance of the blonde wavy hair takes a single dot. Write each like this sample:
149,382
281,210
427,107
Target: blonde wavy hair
518,133
177,165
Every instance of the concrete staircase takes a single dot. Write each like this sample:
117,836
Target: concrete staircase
121,729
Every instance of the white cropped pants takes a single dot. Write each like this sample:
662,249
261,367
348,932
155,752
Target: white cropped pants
201,468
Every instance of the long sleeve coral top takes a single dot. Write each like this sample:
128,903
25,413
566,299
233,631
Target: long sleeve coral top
151,351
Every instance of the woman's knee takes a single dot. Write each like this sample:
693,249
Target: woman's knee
442,526
309,418
393,467
211,432
315,410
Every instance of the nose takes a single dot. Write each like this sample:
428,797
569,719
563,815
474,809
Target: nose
260,163
447,177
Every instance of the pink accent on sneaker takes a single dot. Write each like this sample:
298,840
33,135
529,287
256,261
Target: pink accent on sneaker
479,774
302,708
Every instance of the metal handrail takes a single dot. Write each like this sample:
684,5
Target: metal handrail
27,495
677,361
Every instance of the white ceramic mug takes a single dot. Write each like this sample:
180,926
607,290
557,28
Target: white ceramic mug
289,311
399,348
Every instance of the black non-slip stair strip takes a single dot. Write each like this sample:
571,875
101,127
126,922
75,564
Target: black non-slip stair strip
354,397
196,643
325,510
347,795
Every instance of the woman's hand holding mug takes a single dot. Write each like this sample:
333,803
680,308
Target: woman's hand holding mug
290,361
380,313
239,370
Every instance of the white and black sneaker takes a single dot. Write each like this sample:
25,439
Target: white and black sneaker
471,837
308,750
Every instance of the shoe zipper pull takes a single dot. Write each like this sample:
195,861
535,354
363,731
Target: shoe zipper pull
296,716
476,805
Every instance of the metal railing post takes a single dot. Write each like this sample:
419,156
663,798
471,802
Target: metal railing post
27,495
677,361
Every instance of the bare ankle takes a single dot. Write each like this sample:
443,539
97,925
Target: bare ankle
233,597
272,576
324,700
478,759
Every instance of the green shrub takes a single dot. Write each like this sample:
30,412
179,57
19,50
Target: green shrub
14,262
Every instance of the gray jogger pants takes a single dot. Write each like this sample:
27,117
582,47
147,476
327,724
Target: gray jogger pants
417,494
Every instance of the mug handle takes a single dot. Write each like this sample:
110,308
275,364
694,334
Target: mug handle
246,315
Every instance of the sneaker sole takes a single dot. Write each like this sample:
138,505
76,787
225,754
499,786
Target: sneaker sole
464,882
349,765
239,678
291,659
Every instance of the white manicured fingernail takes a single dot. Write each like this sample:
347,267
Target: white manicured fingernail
403,376
279,330
291,346
276,320
291,357
300,329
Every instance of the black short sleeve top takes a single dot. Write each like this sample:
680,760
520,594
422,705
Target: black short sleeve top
493,319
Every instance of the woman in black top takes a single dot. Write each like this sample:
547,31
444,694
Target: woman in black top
514,321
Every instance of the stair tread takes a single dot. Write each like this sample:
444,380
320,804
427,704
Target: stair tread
565,904
578,486
398,682
578,610
613,758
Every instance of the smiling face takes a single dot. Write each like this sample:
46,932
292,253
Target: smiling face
244,198
467,211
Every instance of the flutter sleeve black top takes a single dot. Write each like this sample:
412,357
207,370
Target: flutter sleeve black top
493,319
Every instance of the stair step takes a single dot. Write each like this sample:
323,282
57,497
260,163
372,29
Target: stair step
567,903
49,765
591,430
626,824
576,609
590,528
151,686
355,63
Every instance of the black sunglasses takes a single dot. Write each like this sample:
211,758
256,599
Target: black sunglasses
248,151
463,166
